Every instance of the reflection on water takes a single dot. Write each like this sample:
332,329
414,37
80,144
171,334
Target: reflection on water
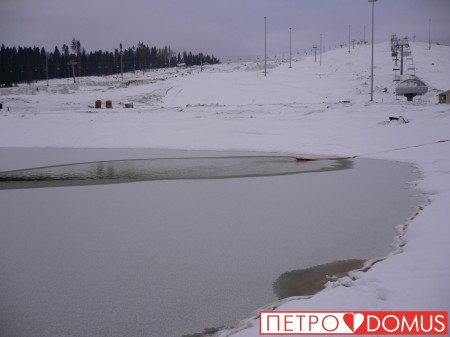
122,171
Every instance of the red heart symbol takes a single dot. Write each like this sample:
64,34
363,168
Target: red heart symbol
349,320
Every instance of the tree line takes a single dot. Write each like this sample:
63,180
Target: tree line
29,64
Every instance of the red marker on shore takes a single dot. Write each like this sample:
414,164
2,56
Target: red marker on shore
314,159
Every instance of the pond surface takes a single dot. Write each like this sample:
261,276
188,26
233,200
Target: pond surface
135,170
172,257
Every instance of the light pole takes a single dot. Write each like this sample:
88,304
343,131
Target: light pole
320,49
429,34
46,65
290,47
265,46
121,61
371,71
201,62
349,39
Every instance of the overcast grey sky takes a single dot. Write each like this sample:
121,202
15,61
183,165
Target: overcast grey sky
226,28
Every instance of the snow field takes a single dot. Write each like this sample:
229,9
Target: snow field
309,109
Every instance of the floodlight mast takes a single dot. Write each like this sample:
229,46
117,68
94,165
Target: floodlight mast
371,71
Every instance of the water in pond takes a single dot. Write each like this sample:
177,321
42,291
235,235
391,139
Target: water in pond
172,257
134,170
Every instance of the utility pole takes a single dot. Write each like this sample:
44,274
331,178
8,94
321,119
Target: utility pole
315,56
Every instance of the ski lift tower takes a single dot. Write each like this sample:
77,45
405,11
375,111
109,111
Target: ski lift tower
72,63
315,53
402,45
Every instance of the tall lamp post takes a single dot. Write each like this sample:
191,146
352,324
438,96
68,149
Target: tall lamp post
320,49
121,61
371,71
46,65
349,42
429,34
290,47
265,46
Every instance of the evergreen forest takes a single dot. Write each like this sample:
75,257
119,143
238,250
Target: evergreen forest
29,64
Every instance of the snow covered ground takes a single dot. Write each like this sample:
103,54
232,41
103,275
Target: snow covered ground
307,109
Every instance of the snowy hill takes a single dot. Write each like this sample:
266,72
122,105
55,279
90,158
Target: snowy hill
307,109
307,92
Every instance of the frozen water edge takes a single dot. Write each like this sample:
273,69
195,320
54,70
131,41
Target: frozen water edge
343,281
411,276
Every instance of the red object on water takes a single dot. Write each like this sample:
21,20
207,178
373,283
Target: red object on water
331,158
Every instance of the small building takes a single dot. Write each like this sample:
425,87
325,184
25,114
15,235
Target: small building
444,97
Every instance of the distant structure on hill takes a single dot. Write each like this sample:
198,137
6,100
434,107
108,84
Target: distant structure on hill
444,97
410,88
